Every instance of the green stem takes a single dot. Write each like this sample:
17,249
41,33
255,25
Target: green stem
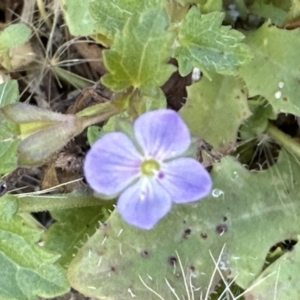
97,118
283,139
57,202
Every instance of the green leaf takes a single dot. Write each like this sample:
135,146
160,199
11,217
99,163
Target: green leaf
78,17
8,149
74,79
294,10
138,57
27,270
207,6
36,203
93,134
276,14
140,103
272,74
111,16
9,93
206,44
14,35
285,5
280,279
72,227
215,109
257,123
246,214
8,207
177,10
154,102
242,9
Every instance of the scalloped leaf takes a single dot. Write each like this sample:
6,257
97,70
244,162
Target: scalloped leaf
272,74
27,270
215,109
276,14
138,57
209,46
207,6
220,226
111,16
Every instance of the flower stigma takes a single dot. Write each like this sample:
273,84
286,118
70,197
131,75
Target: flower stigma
150,167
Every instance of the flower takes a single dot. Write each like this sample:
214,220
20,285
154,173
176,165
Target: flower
150,172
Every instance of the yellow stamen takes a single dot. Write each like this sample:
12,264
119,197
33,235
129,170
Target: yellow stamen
150,167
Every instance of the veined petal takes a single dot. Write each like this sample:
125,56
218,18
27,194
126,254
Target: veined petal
162,134
144,203
112,163
185,179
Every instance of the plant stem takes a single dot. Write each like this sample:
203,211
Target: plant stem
283,139
36,203
97,118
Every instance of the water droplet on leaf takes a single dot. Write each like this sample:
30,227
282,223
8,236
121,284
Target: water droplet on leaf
217,193
277,95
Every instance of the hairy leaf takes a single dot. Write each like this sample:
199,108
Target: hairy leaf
215,109
111,16
206,44
73,226
139,55
235,226
273,73
27,270
279,280
8,148
37,127
9,93
8,207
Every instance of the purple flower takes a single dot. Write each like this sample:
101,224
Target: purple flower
148,173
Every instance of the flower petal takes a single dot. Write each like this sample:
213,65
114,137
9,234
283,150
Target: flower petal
112,163
162,134
185,179
144,203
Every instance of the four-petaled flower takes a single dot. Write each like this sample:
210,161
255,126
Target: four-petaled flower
148,173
